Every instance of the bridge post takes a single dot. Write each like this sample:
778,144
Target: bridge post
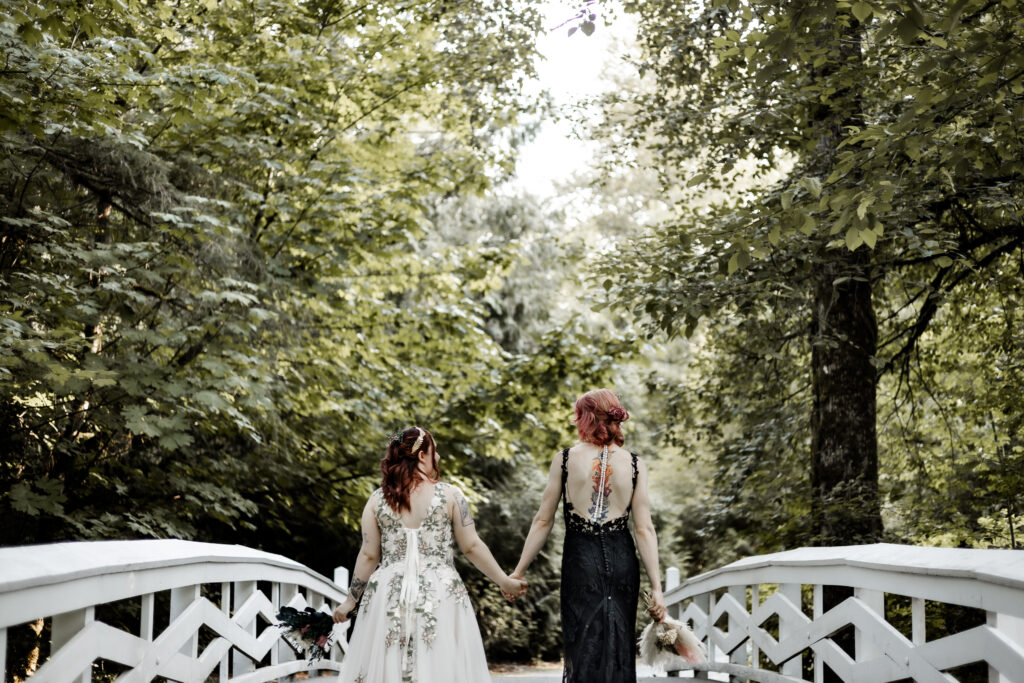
3,654
224,668
863,647
739,655
64,627
285,653
1011,627
240,662
181,598
792,667
146,617
818,609
705,601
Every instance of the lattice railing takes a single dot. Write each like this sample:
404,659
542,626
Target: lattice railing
203,610
764,618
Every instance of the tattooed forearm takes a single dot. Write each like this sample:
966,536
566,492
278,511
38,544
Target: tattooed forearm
467,516
355,591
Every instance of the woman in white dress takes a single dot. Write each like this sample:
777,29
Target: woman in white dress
416,624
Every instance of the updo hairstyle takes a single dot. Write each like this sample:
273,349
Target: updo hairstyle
399,468
599,416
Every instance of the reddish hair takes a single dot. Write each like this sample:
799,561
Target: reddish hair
599,416
400,467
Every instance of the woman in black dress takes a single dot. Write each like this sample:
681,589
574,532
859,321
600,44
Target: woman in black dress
601,483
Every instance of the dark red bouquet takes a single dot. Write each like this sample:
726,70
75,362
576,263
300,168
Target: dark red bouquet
309,630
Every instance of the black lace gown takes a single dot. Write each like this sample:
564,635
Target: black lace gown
600,589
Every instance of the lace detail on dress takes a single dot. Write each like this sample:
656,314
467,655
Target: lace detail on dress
574,522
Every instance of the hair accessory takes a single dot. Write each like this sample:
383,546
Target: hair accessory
419,441
394,436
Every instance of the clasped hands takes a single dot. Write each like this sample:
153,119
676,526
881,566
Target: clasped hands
514,586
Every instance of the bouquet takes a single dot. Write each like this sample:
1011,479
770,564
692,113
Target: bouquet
310,630
670,644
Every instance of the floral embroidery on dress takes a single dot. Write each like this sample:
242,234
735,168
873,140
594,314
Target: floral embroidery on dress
457,590
435,542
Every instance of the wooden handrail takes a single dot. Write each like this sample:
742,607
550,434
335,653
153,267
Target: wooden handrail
65,582
788,588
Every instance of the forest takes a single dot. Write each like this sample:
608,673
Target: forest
244,242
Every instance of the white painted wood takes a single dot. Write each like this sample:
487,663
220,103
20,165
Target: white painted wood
930,573
3,654
63,628
224,668
146,616
755,602
737,621
181,598
917,621
817,609
284,651
341,577
671,578
863,645
990,580
789,625
43,580
242,591
74,577
1012,630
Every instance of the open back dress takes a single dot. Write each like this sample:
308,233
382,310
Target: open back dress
415,623
600,589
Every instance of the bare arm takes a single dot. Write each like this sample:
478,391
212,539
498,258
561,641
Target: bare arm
475,549
366,562
544,519
647,540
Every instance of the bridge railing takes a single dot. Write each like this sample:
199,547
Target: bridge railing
203,610
764,618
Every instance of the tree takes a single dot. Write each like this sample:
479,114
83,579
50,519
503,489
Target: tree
892,190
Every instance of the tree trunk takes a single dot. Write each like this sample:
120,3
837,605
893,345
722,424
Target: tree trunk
844,447
844,336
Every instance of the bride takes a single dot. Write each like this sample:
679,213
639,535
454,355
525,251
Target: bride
416,623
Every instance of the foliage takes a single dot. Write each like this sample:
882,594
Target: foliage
794,133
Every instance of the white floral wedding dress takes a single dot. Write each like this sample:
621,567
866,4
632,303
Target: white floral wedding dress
415,623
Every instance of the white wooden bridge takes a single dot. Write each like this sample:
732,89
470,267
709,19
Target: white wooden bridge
205,612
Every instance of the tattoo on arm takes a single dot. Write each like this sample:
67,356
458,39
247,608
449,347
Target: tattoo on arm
467,516
355,591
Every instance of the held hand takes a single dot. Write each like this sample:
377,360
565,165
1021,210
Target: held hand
512,587
341,613
657,610
521,578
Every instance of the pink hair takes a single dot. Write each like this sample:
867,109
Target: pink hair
598,418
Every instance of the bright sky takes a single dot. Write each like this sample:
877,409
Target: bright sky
574,68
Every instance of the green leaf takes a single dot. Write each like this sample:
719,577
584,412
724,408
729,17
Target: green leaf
869,237
30,34
862,11
908,30
853,238
697,179
809,225
812,185
734,263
